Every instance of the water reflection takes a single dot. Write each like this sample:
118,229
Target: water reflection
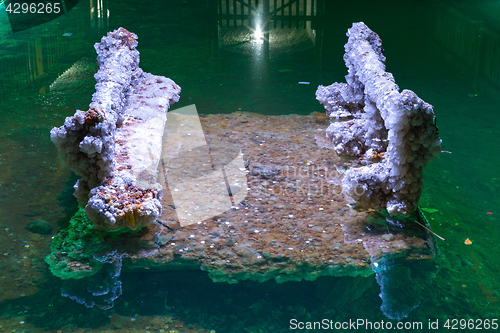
268,28
254,36
472,41
34,57
101,289
99,14
28,14
402,284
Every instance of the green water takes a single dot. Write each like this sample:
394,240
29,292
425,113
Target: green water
177,39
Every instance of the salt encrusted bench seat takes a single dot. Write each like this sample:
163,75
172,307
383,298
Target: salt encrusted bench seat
115,146
392,134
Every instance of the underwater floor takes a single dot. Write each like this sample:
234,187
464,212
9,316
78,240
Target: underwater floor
47,73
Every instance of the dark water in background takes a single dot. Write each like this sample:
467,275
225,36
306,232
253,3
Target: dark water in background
176,39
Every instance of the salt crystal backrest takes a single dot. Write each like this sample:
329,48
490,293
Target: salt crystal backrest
392,133
115,146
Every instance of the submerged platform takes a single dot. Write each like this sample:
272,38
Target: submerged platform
286,218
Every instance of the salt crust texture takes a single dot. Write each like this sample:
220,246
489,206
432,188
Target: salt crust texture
115,146
392,134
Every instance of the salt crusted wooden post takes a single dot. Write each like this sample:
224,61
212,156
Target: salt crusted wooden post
391,135
115,146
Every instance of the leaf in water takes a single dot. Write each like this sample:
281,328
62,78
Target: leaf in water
430,210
